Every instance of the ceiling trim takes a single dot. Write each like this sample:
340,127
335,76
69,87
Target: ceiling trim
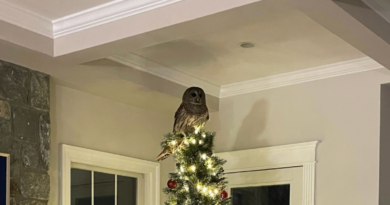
301,76
380,7
25,19
229,90
145,65
79,21
103,14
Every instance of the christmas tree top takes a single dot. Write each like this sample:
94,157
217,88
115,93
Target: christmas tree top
199,177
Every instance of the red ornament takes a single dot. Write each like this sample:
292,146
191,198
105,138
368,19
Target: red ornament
172,184
224,194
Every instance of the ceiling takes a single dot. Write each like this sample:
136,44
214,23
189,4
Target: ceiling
58,8
286,41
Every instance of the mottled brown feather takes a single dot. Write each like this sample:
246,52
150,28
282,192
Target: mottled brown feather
191,113
189,116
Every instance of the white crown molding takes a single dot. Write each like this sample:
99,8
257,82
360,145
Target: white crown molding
104,14
79,21
301,76
164,72
229,90
25,19
381,7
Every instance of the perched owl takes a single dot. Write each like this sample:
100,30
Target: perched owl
191,114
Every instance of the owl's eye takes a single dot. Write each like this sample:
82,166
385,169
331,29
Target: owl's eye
200,95
193,94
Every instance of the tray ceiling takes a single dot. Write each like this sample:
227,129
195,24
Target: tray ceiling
286,41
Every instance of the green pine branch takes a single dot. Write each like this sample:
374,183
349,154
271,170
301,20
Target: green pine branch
199,173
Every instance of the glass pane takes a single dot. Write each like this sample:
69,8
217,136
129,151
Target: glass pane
104,189
80,187
264,195
127,190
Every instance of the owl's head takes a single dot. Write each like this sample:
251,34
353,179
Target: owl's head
194,95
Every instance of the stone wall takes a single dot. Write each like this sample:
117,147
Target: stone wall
25,132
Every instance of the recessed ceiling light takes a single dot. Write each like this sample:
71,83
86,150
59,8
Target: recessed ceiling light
247,45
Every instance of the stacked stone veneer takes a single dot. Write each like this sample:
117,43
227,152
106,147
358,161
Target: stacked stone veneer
25,132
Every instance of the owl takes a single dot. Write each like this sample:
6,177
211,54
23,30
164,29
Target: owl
191,115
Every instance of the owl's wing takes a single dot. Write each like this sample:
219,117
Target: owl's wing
177,114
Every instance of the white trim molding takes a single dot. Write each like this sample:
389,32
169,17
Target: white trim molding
7,196
229,90
300,76
381,7
25,19
95,16
103,14
145,65
285,156
75,155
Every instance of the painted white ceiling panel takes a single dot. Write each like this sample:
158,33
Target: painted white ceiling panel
286,41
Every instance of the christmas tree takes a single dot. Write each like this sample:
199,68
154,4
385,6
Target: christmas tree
199,177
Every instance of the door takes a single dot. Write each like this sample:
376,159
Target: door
266,187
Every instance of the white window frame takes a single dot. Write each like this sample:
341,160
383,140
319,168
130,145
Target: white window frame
285,156
7,196
76,157
116,173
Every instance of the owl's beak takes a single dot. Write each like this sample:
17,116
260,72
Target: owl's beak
197,100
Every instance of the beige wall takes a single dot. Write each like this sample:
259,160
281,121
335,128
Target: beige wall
343,113
88,121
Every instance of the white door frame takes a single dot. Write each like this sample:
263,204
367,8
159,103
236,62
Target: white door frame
302,154
7,196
